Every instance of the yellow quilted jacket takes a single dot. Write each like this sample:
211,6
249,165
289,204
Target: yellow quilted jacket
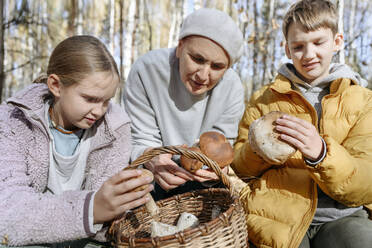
280,203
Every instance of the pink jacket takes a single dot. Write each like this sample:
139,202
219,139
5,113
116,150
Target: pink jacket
27,216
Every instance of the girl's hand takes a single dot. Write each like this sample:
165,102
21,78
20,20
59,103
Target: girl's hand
301,134
167,173
115,195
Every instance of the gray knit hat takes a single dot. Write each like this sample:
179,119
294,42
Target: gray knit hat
217,26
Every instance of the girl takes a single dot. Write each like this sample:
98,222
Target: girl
63,146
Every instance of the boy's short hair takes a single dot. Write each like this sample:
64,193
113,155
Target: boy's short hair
311,15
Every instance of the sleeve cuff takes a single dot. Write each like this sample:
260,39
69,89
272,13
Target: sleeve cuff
93,228
314,163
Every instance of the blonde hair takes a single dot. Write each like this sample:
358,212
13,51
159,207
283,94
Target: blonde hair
311,15
76,57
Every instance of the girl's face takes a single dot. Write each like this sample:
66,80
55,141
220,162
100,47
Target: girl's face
81,104
202,63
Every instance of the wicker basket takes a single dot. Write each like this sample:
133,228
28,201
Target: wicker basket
227,230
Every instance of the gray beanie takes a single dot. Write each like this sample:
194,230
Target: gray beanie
217,26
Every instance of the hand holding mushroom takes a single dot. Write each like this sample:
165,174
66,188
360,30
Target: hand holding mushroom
276,136
216,147
301,134
117,195
265,140
158,229
167,173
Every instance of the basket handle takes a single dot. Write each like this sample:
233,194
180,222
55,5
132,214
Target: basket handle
178,150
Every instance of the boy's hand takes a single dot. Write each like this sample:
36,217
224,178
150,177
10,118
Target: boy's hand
301,134
167,173
115,195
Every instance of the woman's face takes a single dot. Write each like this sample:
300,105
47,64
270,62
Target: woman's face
81,104
202,63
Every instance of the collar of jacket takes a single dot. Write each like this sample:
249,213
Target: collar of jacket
30,101
283,85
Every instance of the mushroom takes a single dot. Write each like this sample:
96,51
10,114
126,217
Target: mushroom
159,229
151,206
265,141
185,221
215,146
191,164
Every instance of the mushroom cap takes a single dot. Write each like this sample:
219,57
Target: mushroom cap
190,164
145,173
216,147
264,140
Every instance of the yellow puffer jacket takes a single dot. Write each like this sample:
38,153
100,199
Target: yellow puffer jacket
280,204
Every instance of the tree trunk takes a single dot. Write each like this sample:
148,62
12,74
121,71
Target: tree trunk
121,48
71,28
244,62
173,22
185,7
266,51
256,84
2,51
147,17
271,45
112,26
129,38
79,23
135,35
351,38
341,54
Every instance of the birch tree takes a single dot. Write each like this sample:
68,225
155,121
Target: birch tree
111,10
267,39
79,22
351,38
256,84
340,5
130,28
2,21
119,93
72,17
243,65
128,38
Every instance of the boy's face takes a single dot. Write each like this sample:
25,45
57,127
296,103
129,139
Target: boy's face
312,52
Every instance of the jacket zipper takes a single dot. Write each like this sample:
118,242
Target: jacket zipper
307,218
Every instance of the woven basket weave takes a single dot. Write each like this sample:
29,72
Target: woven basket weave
228,229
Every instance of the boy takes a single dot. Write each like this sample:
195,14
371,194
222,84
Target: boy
316,198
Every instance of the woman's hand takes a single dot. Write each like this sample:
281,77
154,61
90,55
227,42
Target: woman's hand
203,175
300,134
115,195
167,173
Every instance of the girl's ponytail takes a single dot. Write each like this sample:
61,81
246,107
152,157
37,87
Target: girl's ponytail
42,79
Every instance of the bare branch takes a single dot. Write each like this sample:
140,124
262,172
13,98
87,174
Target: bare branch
13,68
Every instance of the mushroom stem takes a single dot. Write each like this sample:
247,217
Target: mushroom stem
152,208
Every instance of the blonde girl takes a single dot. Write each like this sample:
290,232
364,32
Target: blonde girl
63,145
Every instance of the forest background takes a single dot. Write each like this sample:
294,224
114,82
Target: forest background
30,29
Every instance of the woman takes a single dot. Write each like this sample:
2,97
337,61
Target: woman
173,95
